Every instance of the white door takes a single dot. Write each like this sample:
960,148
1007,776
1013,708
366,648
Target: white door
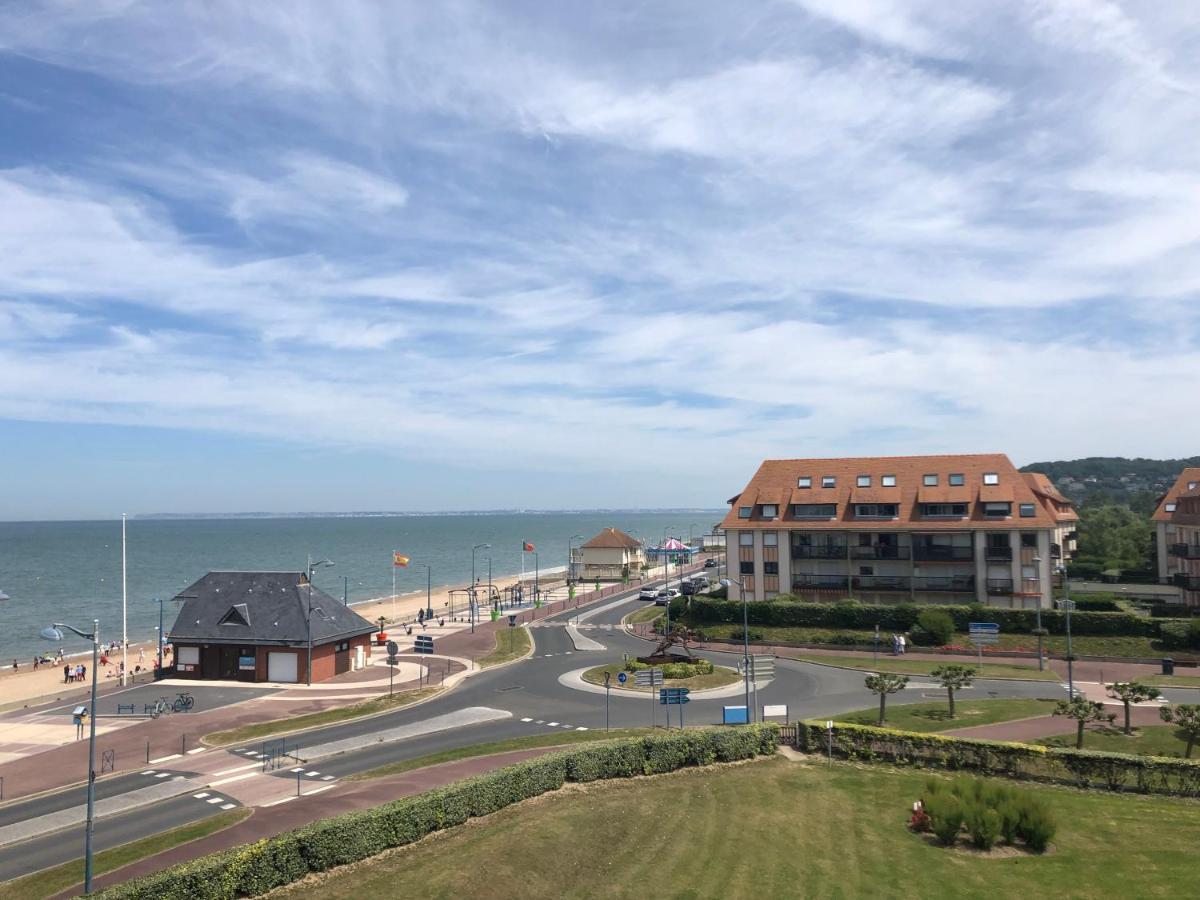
282,666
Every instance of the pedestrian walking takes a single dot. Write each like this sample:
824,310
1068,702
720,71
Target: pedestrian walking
66,674
902,643
420,616
36,661
83,673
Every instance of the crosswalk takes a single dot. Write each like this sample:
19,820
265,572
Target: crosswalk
552,724
301,771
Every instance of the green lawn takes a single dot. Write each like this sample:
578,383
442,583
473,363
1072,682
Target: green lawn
720,677
1172,680
520,743
511,643
645,614
776,829
315,720
901,666
1151,740
49,882
936,716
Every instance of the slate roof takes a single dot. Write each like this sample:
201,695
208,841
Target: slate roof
612,539
267,608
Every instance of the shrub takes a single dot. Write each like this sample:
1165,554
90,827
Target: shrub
1180,635
947,816
937,624
984,824
1036,827
754,634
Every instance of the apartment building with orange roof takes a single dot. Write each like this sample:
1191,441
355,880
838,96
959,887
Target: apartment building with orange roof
1063,543
1177,533
924,529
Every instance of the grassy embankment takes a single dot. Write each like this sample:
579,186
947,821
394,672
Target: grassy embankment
1150,740
901,666
332,716
719,678
936,716
778,829
51,881
511,643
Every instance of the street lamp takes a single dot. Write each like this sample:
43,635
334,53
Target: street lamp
472,595
725,583
161,633
1037,561
570,556
54,633
1067,604
312,567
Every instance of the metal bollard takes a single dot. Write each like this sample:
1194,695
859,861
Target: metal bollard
147,753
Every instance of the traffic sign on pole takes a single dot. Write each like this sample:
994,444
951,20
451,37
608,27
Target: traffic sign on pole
622,677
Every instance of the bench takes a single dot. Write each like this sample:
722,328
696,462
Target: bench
123,708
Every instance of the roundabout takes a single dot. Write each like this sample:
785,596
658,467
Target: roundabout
576,679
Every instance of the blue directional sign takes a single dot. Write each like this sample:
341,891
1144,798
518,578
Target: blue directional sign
673,696
423,643
622,677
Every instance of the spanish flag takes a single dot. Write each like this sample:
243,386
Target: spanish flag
399,560
526,547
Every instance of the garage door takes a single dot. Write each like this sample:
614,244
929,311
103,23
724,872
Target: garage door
282,666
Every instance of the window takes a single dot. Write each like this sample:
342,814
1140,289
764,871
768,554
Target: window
888,481
957,479
876,510
997,510
991,478
1029,573
770,510
770,538
864,481
1028,539
929,480
770,568
1170,507
866,570
1027,511
187,656
804,481
1192,485
828,481
744,511
943,510
746,539
814,510
746,567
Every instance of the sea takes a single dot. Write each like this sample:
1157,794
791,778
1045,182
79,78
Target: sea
71,571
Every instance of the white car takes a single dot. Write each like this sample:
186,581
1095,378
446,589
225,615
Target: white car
648,593
665,596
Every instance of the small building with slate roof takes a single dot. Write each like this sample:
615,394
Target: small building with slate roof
612,555
258,626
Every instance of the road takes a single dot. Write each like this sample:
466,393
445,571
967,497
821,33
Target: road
529,691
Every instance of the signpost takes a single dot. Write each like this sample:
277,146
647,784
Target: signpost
779,709
981,634
673,697
392,648
650,678
622,677
761,667
607,692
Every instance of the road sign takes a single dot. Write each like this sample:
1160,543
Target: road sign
648,677
392,648
762,668
983,633
622,677
672,696
734,715
512,621
423,644
779,709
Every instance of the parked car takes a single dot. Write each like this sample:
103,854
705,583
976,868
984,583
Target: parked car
648,593
665,596
694,585
710,564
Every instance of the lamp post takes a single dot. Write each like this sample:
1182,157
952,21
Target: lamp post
312,567
54,633
473,598
1037,561
1068,604
726,582
570,555
491,598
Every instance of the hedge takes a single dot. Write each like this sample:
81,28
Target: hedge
1083,768
790,613
270,863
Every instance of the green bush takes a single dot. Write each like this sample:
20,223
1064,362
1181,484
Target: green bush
1036,827
1181,635
267,864
936,625
984,824
947,815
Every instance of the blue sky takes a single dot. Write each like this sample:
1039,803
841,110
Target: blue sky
456,255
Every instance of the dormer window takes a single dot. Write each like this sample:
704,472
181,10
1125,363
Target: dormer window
1192,485
745,511
828,481
1170,507
957,479
1027,511
888,481
770,510
929,480
997,510
991,478
863,481
804,481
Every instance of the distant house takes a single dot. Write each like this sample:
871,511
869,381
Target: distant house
258,626
610,556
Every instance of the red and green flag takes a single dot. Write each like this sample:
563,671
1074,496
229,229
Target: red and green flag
526,547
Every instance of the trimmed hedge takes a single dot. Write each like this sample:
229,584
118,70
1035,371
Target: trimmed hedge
1083,768
270,863
791,613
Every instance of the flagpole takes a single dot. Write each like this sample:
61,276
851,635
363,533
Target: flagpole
393,587
124,607
522,571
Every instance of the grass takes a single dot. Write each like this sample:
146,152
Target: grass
1150,740
316,720
776,829
51,881
511,643
900,666
645,614
719,678
1172,680
521,743
936,716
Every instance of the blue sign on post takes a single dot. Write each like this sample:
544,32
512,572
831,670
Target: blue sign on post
673,696
735,715
622,677
423,643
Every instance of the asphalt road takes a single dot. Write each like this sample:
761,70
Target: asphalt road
73,796
206,696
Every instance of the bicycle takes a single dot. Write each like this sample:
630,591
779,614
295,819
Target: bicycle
184,702
161,705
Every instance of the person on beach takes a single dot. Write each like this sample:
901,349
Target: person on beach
66,674
36,660
14,665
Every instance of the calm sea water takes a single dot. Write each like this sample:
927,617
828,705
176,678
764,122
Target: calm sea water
71,571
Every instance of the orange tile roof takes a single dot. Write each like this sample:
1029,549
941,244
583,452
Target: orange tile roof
1180,487
1059,506
612,539
776,481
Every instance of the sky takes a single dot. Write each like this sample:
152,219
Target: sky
457,255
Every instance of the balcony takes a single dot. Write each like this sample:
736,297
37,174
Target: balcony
819,551
1003,554
999,586
881,582
880,551
1056,551
804,582
942,553
1187,582
1186,551
954,584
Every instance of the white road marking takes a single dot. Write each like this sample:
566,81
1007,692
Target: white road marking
215,800
252,765
155,762
162,774
540,722
581,728
323,787
201,795
231,778
552,724
523,720
327,778
312,774
229,806
197,750
148,772
277,802
298,769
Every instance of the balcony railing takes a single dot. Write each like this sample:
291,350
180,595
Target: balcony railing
1187,582
880,551
882,582
1056,551
942,553
1003,553
964,584
999,586
818,582
819,551
1186,551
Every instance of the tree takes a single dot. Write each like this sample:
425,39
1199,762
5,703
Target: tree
1187,717
954,678
1082,710
938,624
1130,692
883,685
